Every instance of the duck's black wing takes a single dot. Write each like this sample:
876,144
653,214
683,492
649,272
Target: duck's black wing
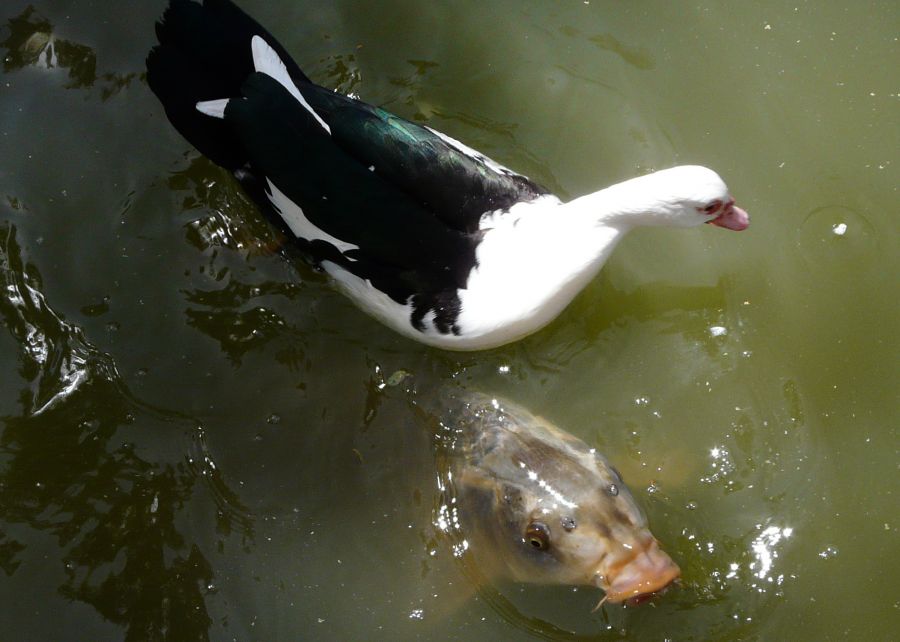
454,182
338,208
387,199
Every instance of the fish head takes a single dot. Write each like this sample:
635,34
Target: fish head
548,509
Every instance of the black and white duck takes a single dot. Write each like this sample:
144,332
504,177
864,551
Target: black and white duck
432,238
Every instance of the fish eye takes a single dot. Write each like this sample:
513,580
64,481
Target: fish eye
538,536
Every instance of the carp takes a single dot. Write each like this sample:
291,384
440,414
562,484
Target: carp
535,504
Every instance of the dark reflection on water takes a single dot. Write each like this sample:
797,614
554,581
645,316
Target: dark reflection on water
31,42
224,316
638,58
73,469
9,552
56,358
343,74
111,512
238,313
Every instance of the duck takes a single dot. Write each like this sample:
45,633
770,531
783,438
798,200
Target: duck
432,238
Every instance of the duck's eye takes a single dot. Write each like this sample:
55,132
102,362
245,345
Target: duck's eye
712,207
537,535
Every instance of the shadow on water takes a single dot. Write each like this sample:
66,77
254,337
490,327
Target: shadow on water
73,469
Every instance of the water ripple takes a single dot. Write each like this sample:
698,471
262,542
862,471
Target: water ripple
231,513
57,358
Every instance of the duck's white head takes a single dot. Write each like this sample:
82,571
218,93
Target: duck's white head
682,196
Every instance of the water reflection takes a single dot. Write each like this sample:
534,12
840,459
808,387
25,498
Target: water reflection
9,553
375,388
343,74
833,237
754,565
551,350
638,58
745,459
239,311
32,42
73,470
722,469
231,514
222,215
765,550
56,357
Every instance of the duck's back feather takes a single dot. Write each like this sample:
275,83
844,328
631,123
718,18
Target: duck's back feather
204,54
455,183
382,230
390,201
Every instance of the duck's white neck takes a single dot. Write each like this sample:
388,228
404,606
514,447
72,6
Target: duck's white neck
536,258
641,201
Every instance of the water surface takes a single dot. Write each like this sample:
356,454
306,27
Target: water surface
198,439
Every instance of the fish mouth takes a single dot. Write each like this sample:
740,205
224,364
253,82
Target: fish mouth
647,572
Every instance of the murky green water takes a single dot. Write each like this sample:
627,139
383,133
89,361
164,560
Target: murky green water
196,442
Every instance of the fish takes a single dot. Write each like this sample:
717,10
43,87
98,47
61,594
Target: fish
535,504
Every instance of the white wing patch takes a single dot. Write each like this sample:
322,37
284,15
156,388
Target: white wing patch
266,61
474,154
214,108
301,226
373,301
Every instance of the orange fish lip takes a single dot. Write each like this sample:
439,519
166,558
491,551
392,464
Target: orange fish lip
648,571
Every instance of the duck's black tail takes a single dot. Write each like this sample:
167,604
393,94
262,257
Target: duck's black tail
204,53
